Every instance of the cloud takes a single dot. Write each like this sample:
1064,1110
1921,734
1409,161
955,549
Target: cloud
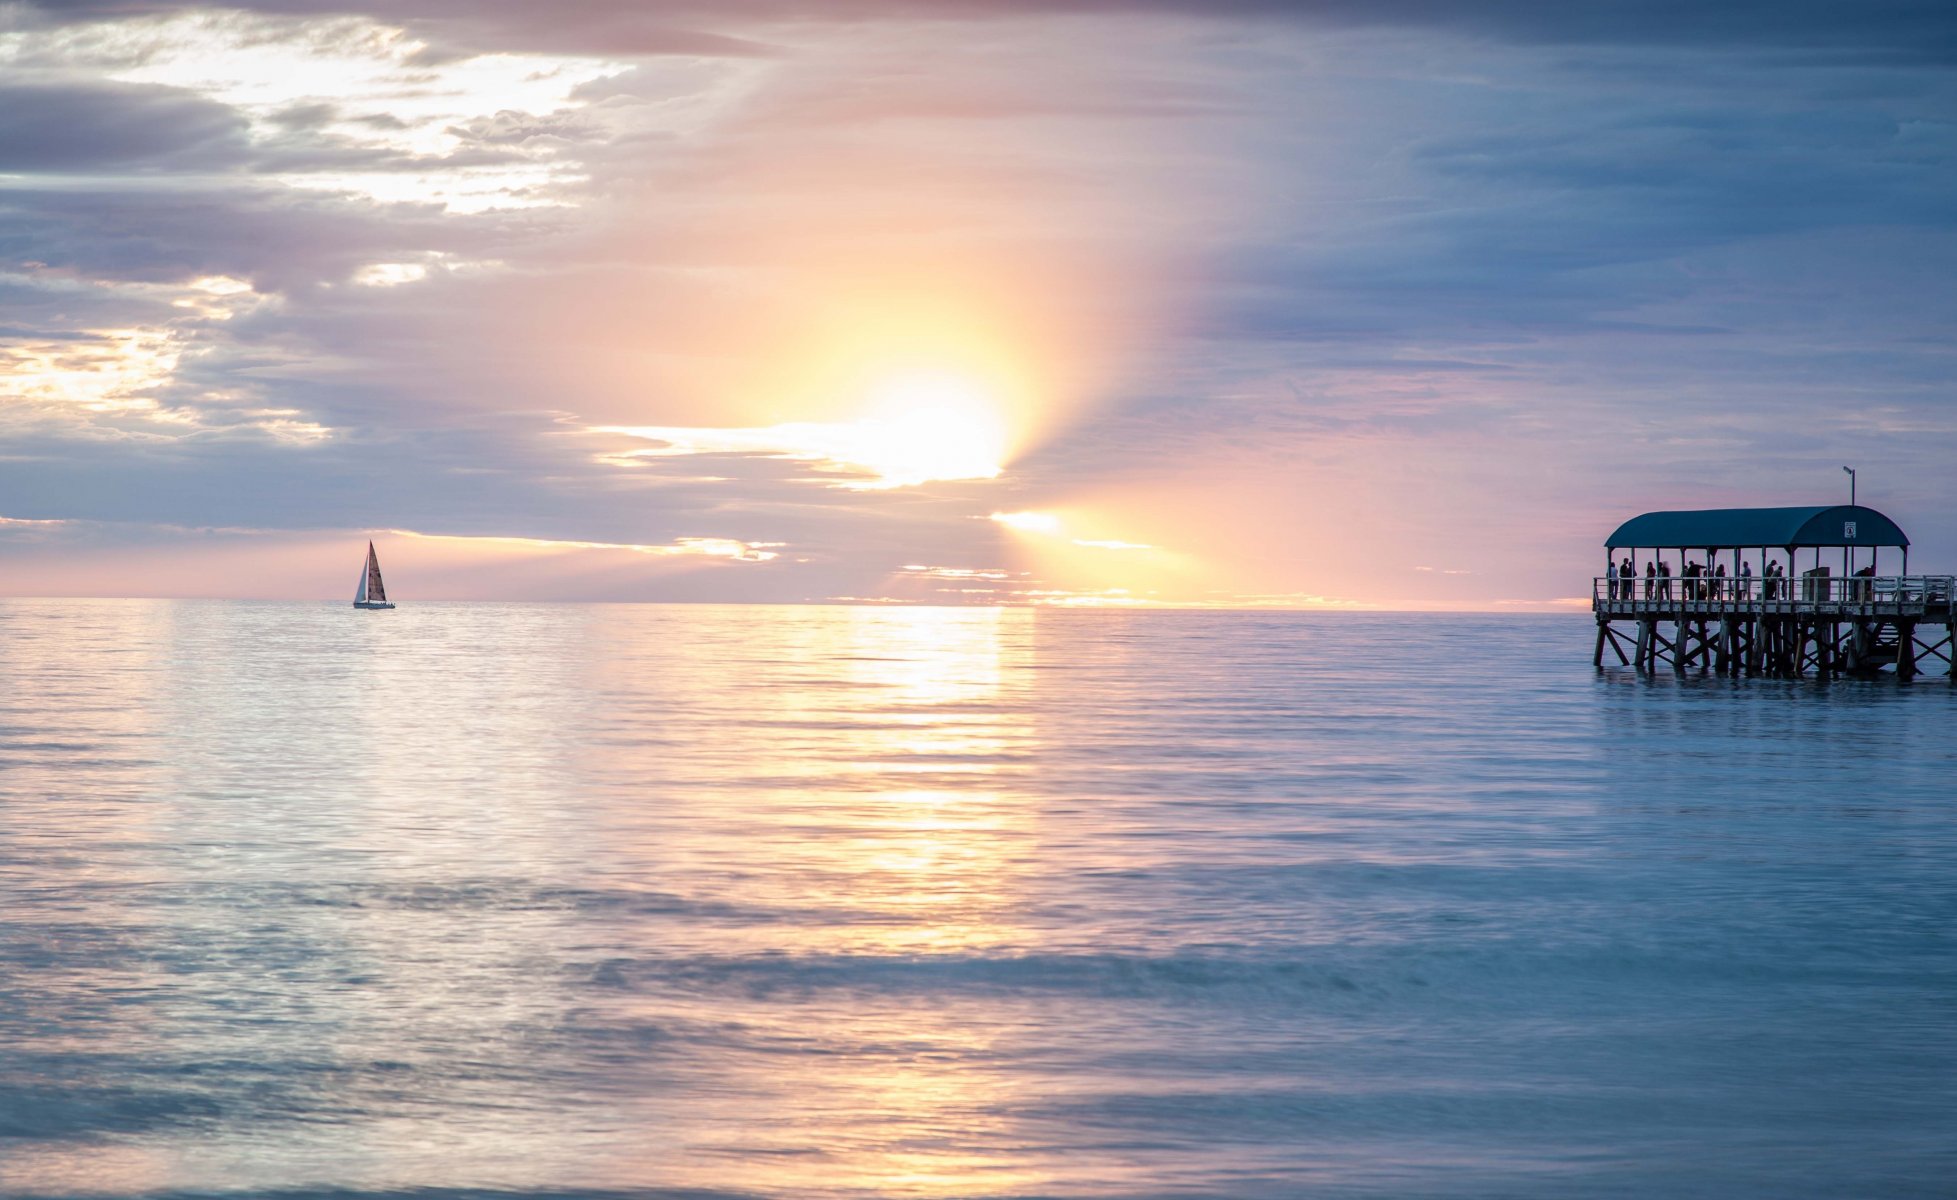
1909,29
902,449
731,549
80,128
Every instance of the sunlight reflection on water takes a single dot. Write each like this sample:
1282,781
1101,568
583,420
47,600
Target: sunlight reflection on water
928,902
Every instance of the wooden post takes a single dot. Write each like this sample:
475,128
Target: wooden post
1905,650
1644,646
1616,646
1597,659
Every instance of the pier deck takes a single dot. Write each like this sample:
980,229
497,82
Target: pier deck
1785,626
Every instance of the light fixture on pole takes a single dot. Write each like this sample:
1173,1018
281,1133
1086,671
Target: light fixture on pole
1847,560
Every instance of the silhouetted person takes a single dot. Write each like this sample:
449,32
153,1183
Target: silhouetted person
1719,582
1650,580
1746,581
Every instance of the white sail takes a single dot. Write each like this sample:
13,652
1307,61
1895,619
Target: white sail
360,596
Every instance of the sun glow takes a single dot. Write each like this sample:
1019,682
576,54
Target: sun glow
1029,522
919,428
1083,556
932,426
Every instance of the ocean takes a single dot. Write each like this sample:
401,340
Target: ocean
469,900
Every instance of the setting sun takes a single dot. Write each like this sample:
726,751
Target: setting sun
916,428
931,425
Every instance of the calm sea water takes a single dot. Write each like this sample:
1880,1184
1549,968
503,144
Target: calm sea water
803,902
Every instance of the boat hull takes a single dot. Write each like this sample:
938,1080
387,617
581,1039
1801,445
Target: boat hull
372,604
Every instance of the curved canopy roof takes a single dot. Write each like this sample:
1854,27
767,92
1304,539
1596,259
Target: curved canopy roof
1730,528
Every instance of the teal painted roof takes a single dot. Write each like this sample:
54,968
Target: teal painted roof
1727,528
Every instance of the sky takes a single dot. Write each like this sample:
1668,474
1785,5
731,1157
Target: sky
1347,303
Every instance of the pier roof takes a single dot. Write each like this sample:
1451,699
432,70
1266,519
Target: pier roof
1732,528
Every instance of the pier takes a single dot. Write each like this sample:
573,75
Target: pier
1755,591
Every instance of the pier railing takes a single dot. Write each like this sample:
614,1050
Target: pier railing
1846,594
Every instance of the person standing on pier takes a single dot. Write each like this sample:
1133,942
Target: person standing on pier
1746,581
1650,580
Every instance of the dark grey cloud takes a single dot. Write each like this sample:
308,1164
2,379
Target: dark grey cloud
87,127
1870,31
1547,201
280,238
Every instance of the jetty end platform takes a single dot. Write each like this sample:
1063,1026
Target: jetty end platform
1756,591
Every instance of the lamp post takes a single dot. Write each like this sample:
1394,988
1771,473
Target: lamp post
1846,563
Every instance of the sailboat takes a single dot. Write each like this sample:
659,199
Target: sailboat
372,593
